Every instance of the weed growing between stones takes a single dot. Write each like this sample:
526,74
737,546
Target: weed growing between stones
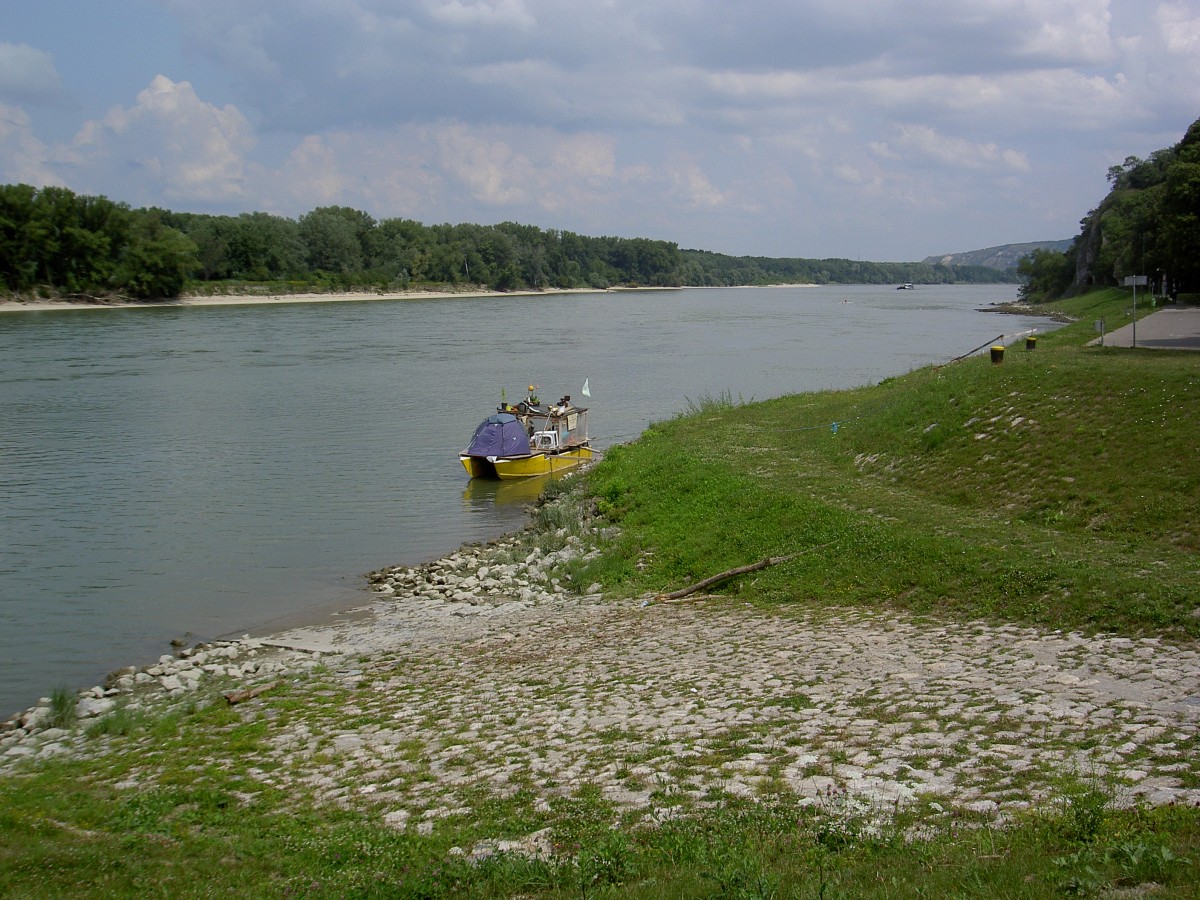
62,708
119,722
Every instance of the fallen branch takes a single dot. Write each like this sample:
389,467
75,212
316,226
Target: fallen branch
236,697
730,573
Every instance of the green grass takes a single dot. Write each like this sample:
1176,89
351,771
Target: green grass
62,707
65,834
1059,488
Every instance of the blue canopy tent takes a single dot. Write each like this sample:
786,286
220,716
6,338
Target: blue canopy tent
501,434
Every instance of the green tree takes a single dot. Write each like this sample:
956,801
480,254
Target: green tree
263,247
158,261
337,239
20,239
1047,274
1180,213
54,238
1149,224
211,235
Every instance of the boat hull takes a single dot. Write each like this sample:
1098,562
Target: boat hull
477,466
526,466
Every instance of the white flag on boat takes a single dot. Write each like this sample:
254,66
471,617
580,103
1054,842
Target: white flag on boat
586,392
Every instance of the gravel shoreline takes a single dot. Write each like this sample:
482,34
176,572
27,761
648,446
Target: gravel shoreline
483,672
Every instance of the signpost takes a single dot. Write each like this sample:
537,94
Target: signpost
1133,281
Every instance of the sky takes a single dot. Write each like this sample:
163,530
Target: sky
884,130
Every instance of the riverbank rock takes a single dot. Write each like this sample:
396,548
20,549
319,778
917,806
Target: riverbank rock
474,582
36,732
480,674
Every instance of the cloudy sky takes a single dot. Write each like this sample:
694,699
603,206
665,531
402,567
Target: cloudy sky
872,129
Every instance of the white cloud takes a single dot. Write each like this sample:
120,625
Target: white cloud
449,171
850,174
924,142
692,186
587,157
1179,27
483,14
1032,101
179,147
23,158
882,150
492,171
28,74
1070,32
319,177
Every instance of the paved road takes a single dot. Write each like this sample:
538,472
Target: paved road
1165,329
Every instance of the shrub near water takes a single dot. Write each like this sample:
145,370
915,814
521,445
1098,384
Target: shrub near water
1058,488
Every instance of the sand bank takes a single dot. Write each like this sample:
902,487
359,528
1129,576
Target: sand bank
10,305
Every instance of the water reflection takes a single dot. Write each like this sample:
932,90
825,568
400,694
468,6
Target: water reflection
481,493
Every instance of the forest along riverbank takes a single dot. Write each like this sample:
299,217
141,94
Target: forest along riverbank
490,647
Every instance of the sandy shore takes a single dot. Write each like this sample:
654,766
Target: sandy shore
10,305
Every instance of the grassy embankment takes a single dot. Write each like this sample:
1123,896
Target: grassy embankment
1059,488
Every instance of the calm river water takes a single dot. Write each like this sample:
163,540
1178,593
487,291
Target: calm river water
204,471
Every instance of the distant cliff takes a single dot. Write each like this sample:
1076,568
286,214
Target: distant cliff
1005,256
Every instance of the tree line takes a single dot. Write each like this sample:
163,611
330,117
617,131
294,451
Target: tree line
53,241
1148,224
702,268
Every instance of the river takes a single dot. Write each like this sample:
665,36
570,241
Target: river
194,472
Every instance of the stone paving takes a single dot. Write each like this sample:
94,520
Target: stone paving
474,676
665,703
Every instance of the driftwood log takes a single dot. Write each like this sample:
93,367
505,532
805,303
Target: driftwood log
730,573
236,697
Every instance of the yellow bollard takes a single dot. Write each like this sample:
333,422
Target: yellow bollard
1030,343
997,354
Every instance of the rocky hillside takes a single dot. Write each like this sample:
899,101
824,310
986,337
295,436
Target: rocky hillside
1005,256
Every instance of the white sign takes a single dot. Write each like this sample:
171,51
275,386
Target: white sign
1136,280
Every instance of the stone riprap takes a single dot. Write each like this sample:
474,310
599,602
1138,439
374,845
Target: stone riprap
479,674
35,732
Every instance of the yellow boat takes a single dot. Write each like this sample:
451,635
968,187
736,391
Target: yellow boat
528,440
